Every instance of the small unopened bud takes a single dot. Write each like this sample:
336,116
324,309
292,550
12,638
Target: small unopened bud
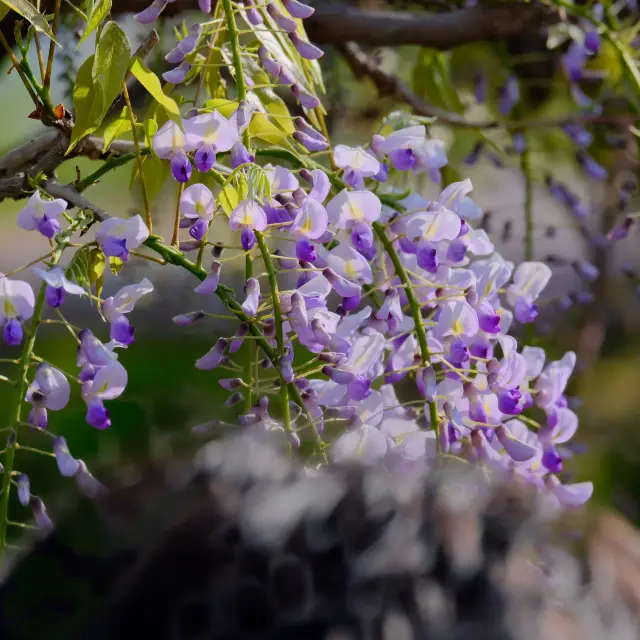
230,383
216,250
234,399
187,319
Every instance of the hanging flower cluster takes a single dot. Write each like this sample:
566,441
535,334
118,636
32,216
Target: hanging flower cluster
351,285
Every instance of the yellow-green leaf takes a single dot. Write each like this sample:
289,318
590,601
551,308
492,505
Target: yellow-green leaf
97,263
99,80
115,264
151,83
150,127
228,199
224,107
98,13
117,128
30,13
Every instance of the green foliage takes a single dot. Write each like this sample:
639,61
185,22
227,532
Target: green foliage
87,268
117,128
29,13
99,81
99,11
151,83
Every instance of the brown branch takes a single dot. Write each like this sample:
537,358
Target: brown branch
335,24
391,86
74,197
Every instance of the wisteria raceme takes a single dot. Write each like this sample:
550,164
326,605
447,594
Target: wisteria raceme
353,283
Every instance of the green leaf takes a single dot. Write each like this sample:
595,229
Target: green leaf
151,83
98,13
99,81
97,263
115,264
432,81
150,127
78,268
228,199
30,13
111,61
117,128
224,107
4,9
156,172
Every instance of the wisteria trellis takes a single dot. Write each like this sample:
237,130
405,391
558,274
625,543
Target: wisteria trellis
391,286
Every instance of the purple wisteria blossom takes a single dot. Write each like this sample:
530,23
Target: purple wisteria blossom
117,237
16,305
169,144
197,205
115,308
409,149
248,217
108,383
49,390
57,285
42,215
208,134
357,164
529,279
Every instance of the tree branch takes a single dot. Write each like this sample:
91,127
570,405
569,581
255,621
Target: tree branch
335,24
391,86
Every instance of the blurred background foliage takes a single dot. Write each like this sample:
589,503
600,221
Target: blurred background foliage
166,396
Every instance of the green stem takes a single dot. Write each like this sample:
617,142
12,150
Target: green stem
175,257
112,163
17,66
21,386
136,144
416,312
277,316
52,50
237,60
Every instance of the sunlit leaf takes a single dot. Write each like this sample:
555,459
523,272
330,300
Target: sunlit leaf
115,264
99,81
117,128
29,13
151,83
99,12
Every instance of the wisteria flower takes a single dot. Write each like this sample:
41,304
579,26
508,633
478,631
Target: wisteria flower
197,205
108,383
409,149
42,215
67,464
185,46
208,134
115,307
529,280
248,217
57,285
152,12
49,390
16,305
169,144
117,237
311,220
357,164
355,210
